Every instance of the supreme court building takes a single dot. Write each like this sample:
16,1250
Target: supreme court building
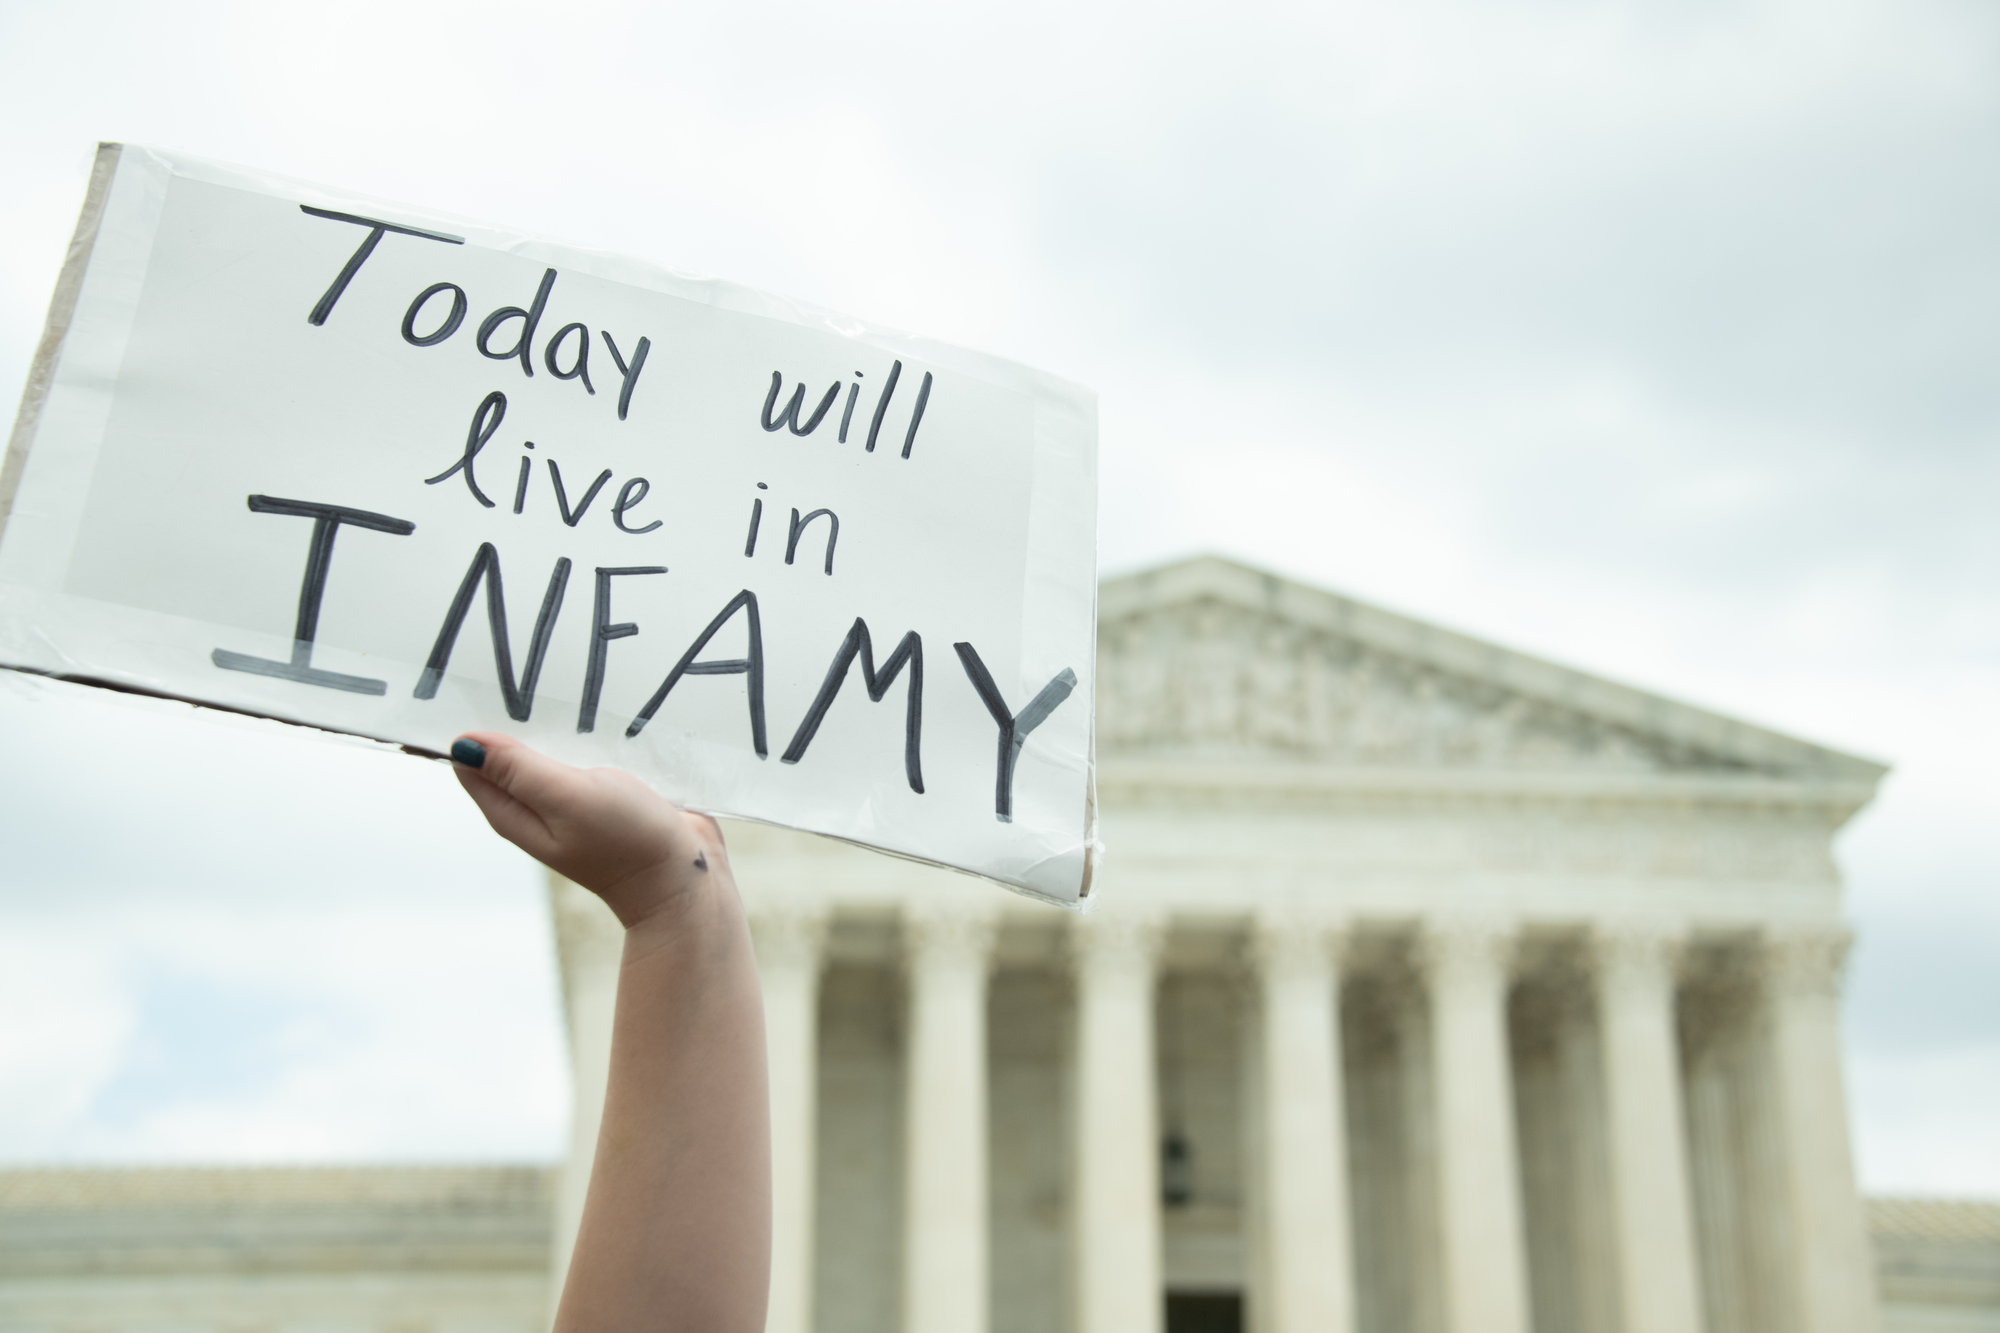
1430,988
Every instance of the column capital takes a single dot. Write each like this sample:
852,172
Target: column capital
1807,960
1107,940
1290,940
1636,951
1451,948
937,929
787,932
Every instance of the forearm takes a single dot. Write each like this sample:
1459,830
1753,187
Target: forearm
676,1228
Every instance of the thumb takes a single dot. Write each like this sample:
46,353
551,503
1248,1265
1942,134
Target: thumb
513,786
530,778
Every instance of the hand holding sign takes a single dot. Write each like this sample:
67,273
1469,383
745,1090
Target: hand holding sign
601,827
273,467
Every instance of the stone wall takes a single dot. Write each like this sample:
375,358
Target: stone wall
465,1249
272,1250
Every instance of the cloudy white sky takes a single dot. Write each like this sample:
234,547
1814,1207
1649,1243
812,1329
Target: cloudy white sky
1659,339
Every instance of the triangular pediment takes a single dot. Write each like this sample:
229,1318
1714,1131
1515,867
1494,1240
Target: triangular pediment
1211,658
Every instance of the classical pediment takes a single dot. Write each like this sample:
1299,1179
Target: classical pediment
1210,658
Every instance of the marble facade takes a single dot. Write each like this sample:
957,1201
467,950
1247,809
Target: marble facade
1433,989
466,1249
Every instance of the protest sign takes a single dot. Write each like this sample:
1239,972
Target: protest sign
371,468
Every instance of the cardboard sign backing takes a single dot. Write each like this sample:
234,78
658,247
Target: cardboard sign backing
372,468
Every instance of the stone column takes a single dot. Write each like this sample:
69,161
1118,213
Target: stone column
1479,1180
1117,1193
788,937
1659,1286
1310,1257
1833,1278
945,1222
589,945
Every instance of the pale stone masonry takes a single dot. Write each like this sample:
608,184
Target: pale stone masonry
945,1214
465,1250
1519,991
1433,989
1522,985
1115,1234
788,958
233,1250
1308,1268
1655,1268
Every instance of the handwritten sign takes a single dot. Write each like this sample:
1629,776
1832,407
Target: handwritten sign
371,468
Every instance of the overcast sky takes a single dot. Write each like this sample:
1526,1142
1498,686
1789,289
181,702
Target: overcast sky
1657,339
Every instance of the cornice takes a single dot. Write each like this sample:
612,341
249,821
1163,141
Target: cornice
1212,578
1127,780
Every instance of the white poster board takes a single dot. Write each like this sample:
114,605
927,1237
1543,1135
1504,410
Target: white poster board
357,465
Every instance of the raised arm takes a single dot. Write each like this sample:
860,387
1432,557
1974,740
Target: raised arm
676,1228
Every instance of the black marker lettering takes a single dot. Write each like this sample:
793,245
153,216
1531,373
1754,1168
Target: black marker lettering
562,500
910,650
626,500
581,370
790,416
602,632
319,554
491,412
756,517
882,404
451,321
799,526
520,699
521,485
1014,728
324,306
847,413
751,666
917,417
529,319
631,373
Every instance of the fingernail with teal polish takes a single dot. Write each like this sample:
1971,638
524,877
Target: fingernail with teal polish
469,752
